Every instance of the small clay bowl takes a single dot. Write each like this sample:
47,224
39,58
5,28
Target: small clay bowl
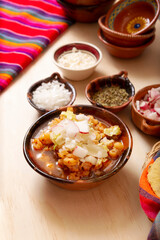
55,76
124,52
77,74
124,39
85,13
102,115
146,125
133,17
99,83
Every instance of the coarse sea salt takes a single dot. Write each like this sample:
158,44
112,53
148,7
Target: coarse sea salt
51,95
77,59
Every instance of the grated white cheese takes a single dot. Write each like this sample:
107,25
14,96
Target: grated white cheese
51,95
77,59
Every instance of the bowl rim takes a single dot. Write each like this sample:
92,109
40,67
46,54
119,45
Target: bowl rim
124,35
146,88
54,76
74,44
84,3
107,77
80,7
144,30
46,118
103,39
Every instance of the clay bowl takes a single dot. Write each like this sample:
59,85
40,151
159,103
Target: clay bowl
99,83
124,39
102,115
53,77
82,73
123,52
85,2
85,14
133,17
146,125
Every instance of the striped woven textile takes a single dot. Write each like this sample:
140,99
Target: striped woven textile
149,200
26,29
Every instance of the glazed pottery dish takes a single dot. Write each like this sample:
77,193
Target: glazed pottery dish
64,146
51,93
146,110
77,60
123,52
113,93
133,16
124,39
86,13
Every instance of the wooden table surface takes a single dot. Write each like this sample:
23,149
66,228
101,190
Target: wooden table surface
31,208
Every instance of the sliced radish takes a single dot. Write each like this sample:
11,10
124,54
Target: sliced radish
157,109
58,129
80,152
144,105
83,126
154,93
151,115
71,129
81,117
138,105
150,105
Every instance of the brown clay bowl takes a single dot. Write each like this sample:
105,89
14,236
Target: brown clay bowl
99,83
146,125
123,52
123,39
102,115
85,2
55,76
85,14
133,17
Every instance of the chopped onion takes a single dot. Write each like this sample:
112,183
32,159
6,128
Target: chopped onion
51,95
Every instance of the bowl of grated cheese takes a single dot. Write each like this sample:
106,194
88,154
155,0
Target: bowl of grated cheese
51,93
77,61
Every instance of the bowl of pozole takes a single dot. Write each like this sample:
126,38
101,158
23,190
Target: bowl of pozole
77,147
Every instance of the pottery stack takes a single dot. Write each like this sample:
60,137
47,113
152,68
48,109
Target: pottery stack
85,11
129,27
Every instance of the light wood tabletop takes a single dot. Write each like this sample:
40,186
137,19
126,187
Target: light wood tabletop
31,208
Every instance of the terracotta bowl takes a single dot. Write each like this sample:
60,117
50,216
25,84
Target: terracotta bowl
123,52
99,83
124,39
102,115
133,17
146,125
85,2
86,14
77,74
54,76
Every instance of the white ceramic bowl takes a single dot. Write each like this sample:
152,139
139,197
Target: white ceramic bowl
77,74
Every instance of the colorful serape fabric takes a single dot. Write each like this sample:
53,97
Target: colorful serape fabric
149,201
26,29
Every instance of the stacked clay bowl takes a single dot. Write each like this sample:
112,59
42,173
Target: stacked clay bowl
85,11
129,24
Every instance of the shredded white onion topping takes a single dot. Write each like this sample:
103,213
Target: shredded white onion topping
51,95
